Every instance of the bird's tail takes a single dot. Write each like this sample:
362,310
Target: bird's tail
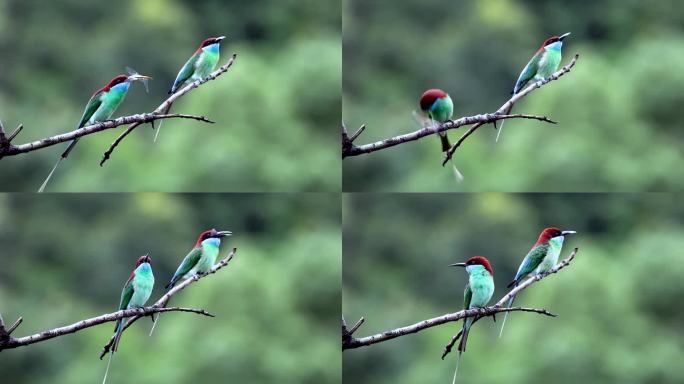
154,324
457,174
156,134
446,145
498,133
64,155
503,323
117,336
104,380
458,361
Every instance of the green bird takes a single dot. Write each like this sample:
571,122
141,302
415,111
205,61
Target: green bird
477,294
198,66
436,107
199,260
540,259
100,107
135,293
542,65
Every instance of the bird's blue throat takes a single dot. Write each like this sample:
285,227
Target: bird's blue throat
211,242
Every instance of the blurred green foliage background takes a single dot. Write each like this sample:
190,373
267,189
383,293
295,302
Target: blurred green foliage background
66,258
620,127
618,304
277,109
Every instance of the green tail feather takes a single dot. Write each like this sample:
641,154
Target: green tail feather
503,323
446,145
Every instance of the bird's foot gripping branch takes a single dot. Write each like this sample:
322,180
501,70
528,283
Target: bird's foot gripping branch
349,341
349,148
133,314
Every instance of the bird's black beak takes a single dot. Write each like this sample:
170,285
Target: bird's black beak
147,259
457,265
218,39
223,233
563,36
565,233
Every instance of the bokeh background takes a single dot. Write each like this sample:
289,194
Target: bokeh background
277,109
66,257
618,303
618,110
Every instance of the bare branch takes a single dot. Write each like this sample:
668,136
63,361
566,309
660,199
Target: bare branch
353,342
166,105
7,149
8,342
502,113
165,299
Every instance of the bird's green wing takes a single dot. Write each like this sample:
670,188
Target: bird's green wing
92,106
532,260
185,72
190,260
528,72
467,296
127,293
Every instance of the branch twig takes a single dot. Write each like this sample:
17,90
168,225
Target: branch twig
349,149
167,104
351,342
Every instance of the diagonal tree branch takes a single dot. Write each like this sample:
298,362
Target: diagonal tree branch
165,299
8,342
503,113
166,105
508,106
350,342
8,149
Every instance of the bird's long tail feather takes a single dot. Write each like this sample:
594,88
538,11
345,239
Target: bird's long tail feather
104,380
156,134
64,155
458,361
498,132
49,176
503,323
154,324
457,174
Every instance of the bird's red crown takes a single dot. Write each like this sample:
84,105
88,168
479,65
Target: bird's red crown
481,260
205,235
547,234
117,80
428,98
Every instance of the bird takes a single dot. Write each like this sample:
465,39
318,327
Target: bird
540,259
542,65
100,107
478,292
199,260
135,293
436,106
198,66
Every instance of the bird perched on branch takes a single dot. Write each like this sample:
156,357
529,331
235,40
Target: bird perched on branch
198,66
540,259
542,65
436,107
100,107
478,292
199,260
135,293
